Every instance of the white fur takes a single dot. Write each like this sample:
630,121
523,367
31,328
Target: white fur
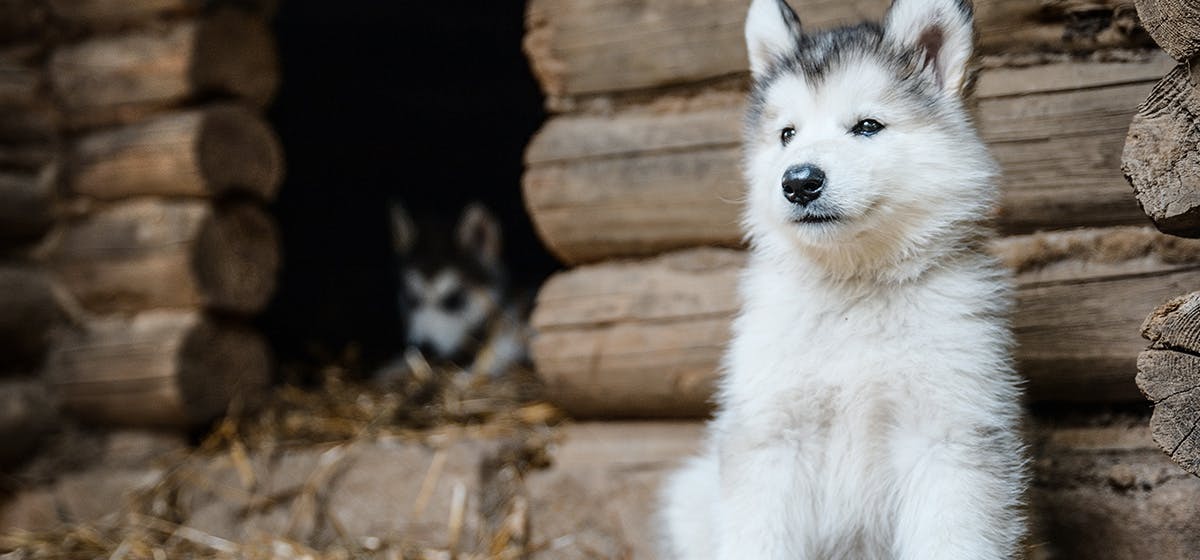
868,408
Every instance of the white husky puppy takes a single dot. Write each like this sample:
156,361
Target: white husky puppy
868,407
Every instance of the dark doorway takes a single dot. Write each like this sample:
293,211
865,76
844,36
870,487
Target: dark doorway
429,102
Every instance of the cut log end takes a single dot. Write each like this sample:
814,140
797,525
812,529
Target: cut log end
167,369
26,205
29,310
149,254
236,258
1161,159
1169,376
236,54
240,151
1173,24
204,152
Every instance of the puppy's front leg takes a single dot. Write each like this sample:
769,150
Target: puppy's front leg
960,502
758,515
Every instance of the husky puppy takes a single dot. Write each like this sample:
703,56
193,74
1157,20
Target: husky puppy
454,295
868,408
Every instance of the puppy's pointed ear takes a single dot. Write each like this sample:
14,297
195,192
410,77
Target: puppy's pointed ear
404,232
479,235
939,31
772,31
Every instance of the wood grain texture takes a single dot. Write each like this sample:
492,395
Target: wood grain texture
1161,158
112,79
643,338
157,369
202,152
1169,376
587,47
1174,25
665,175
182,254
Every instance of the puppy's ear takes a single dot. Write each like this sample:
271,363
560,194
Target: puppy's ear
772,31
478,235
940,33
404,232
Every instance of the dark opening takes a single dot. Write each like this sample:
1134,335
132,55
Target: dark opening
430,102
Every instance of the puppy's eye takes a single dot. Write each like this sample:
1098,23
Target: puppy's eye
453,302
866,127
786,135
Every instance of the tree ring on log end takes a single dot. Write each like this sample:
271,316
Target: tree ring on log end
219,365
237,150
235,54
236,258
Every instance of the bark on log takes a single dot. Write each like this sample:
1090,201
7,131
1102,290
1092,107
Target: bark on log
27,413
666,175
29,311
119,79
149,254
158,368
1174,25
203,152
1169,375
643,339
1162,159
26,206
585,47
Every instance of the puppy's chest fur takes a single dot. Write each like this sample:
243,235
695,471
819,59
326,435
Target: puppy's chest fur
855,380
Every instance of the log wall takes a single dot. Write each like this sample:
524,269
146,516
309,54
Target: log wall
135,165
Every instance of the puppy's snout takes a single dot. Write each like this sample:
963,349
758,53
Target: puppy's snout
802,184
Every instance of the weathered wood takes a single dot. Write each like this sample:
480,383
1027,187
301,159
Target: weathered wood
121,78
26,113
203,152
26,206
182,254
157,368
109,14
644,338
1101,493
585,47
29,311
1161,159
27,413
666,175
1169,375
1174,25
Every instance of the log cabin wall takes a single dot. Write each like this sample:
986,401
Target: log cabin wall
635,179
134,165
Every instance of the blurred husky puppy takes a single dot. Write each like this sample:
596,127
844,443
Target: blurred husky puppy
454,293
868,408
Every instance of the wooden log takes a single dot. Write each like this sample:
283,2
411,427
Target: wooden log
27,115
1169,375
27,413
665,175
122,78
1174,25
184,254
1101,493
157,368
29,311
204,152
26,206
588,47
1161,158
107,15
644,338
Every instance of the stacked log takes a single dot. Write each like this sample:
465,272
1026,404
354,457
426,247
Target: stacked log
1162,164
140,191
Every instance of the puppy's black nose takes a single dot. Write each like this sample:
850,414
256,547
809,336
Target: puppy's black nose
802,184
